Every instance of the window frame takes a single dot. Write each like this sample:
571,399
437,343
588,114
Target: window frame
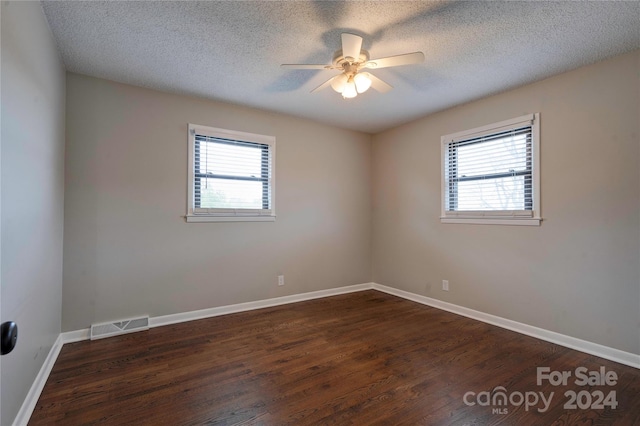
495,217
231,214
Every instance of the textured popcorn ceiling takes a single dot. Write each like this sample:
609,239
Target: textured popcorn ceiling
231,51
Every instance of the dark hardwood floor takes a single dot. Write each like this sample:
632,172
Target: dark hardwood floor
357,359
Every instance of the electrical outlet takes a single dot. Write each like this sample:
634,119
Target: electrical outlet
280,279
445,285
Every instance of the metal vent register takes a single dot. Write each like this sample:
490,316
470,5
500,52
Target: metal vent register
100,331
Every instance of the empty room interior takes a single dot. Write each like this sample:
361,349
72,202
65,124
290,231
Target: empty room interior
311,212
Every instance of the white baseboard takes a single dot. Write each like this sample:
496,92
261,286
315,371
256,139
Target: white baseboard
75,336
602,351
605,352
30,401
249,306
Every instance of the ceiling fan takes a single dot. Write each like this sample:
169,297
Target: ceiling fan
351,60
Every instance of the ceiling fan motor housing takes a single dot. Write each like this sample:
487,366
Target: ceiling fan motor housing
350,65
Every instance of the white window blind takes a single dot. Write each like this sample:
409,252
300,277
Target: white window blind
231,173
491,172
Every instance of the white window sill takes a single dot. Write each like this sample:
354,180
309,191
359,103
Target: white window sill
497,221
205,218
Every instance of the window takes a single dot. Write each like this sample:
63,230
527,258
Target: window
231,175
490,175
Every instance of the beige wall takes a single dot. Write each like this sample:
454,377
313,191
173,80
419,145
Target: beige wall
33,98
128,250
578,273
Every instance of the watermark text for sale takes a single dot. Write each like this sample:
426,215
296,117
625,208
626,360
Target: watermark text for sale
499,399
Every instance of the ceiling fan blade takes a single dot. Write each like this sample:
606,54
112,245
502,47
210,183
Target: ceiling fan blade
394,61
351,45
307,67
379,85
324,85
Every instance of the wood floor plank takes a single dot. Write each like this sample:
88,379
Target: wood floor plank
361,358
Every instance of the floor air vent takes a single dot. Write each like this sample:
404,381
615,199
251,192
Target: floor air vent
100,331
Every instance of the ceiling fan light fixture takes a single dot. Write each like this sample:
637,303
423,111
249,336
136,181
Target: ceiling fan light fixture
339,82
349,90
362,82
